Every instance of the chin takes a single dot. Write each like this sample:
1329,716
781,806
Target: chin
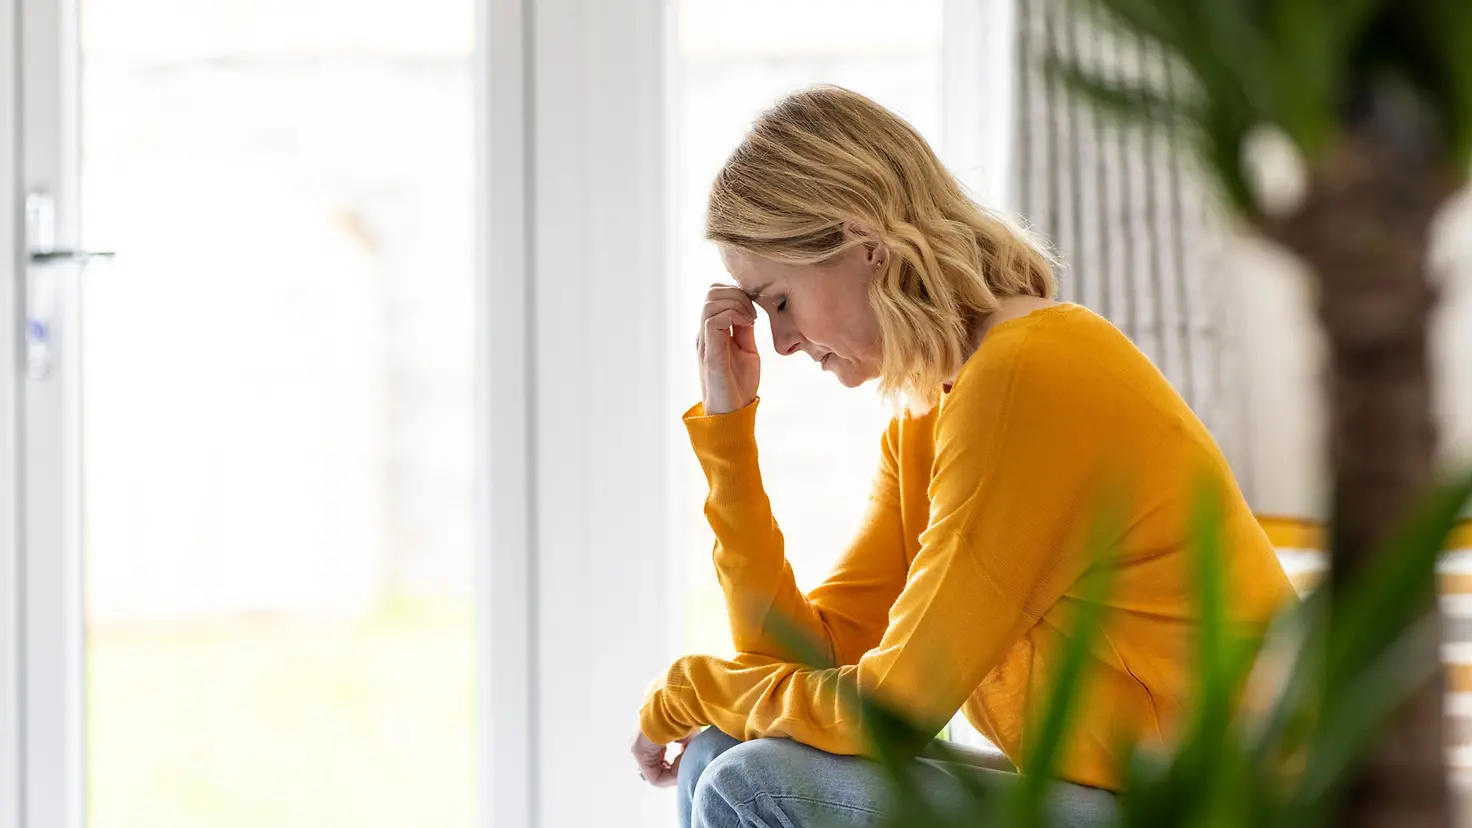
850,377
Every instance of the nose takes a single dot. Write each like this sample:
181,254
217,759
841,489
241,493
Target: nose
785,338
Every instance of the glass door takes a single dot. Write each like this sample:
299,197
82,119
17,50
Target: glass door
252,434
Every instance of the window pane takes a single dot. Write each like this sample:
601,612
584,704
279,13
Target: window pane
819,441
277,413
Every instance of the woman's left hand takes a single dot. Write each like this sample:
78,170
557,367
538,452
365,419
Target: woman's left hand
653,767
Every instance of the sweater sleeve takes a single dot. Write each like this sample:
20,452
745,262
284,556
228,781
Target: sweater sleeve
847,614
1016,455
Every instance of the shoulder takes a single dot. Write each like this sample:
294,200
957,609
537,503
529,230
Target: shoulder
1055,369
1056,343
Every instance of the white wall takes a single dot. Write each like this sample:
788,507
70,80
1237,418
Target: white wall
1281,356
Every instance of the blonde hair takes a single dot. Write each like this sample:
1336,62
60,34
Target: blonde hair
826,162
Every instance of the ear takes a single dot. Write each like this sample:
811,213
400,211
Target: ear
875,253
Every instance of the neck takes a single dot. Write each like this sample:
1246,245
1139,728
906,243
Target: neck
976,329
1009,307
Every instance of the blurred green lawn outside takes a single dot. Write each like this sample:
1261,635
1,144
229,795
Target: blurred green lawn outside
284,722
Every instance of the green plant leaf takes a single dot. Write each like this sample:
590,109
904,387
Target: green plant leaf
893,739
1229,80
1449,31
1212,636
1157,790
942,752
1364,705
810,653
1160,22
1211,749
1305,625
1397,586
1222,138
1234,48
1136,105
1312,43
896,742
1041,753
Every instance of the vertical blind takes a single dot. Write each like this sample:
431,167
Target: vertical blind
1127,211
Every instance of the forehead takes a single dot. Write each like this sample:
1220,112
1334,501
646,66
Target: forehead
753,272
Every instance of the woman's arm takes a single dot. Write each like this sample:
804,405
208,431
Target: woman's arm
1017,460
847,614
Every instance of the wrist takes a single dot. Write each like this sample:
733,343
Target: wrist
720,404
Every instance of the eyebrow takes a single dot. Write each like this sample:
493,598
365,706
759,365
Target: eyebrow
754,295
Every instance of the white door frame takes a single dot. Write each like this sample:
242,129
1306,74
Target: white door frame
51,619
505,567
11,237
576,414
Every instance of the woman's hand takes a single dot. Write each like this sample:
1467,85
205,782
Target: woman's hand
653,767
730,369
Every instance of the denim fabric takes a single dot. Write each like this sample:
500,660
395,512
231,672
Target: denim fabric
778,783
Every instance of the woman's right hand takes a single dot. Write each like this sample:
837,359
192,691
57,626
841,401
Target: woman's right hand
730,369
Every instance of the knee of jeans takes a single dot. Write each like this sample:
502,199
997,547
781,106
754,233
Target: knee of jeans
744,771
698,755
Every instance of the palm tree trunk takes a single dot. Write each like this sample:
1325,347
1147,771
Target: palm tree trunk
1364,228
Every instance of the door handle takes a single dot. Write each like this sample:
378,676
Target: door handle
43,291
40,257
41,233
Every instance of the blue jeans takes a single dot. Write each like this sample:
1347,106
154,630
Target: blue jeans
779,783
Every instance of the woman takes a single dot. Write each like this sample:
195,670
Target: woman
837,220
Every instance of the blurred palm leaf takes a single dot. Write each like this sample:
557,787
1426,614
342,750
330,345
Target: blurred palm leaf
1288,64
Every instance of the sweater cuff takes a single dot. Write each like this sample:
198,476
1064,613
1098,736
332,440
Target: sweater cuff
660,717
722,438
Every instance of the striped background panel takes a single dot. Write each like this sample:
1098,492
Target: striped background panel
1128,212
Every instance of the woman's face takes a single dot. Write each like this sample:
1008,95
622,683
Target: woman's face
820,310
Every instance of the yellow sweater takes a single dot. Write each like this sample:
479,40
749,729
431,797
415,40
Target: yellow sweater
959,589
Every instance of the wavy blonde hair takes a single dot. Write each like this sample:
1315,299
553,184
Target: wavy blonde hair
827,162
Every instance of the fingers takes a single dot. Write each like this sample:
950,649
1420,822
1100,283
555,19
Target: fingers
745,338
726,297
726,309
666,776
724,324
729,312
720,291
651,761
726,320
719,306
674,770
660,774
672,774
653,768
